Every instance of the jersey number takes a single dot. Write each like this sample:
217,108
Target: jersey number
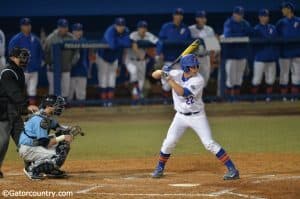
189,100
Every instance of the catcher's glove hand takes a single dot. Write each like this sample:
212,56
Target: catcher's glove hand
75,130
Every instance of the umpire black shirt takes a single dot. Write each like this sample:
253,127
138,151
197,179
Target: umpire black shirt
12,86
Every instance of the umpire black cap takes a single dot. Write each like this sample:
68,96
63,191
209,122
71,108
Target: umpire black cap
22,53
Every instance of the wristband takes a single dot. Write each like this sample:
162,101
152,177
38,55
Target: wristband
60,138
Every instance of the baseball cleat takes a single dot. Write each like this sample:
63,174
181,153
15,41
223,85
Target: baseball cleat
232,174
1,174
158,172
33,176
56,173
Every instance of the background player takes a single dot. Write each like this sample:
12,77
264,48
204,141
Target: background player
201,30
174,31
187,86
79,71
68,57
288,28
26,39
2,50
135,58
266,55
117,38
236,26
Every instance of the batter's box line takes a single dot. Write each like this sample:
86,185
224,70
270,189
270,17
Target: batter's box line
213,194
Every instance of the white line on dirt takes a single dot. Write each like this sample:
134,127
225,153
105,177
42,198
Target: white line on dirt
271,178
86,190
245,195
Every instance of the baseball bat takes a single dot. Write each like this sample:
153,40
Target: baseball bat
190,49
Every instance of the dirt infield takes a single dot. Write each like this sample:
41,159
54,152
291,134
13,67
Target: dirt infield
197,176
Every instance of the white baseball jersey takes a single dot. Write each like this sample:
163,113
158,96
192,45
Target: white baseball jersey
135,36
206,31
191,103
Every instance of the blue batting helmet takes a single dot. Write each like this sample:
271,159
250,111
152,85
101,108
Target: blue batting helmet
188,61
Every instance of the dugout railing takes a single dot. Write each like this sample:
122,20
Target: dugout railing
220,92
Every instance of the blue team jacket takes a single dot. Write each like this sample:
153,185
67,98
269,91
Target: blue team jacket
288,29
80,69
117,42
170,32
236,29
265,52
33,44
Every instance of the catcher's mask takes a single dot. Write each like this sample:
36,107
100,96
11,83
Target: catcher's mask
21,53
57,102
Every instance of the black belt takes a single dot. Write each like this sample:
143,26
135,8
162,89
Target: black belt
190,113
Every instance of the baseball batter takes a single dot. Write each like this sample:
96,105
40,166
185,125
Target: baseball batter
187,86
201,30
265,55
288,28
135,58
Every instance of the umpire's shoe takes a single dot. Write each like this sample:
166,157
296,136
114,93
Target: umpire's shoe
158,172
232,174
32,175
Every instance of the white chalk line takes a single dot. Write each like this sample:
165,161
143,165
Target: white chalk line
245,195
86,190
272,178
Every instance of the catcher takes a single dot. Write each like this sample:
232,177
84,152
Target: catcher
45,153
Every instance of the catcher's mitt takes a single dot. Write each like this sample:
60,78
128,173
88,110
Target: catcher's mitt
69,130
75,130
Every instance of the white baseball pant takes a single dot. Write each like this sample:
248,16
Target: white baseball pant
36,153
287,65
107,73
204,67
137,71
31,80
235,69
198,123
264,68
78,88
65,83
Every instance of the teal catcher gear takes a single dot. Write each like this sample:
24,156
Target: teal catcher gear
188,61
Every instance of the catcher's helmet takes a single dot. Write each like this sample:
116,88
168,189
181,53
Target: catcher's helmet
22,53
188,61
57,102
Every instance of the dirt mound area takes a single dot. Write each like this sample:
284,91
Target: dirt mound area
197,176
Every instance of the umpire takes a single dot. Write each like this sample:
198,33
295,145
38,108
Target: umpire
12,99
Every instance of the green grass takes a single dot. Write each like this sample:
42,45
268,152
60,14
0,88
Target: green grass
143,138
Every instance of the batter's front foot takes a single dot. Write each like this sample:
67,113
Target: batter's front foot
232,174
158,172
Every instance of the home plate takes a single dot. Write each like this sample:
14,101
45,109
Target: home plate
184,185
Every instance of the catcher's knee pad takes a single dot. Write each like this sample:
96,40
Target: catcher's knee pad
62,151
45,166
213,147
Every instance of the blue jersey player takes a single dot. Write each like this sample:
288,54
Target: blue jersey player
26,39
289,28
117,38
265,55
236,54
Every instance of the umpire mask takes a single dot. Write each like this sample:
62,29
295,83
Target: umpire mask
22,54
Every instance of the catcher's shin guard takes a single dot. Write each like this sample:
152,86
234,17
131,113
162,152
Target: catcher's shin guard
62,151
